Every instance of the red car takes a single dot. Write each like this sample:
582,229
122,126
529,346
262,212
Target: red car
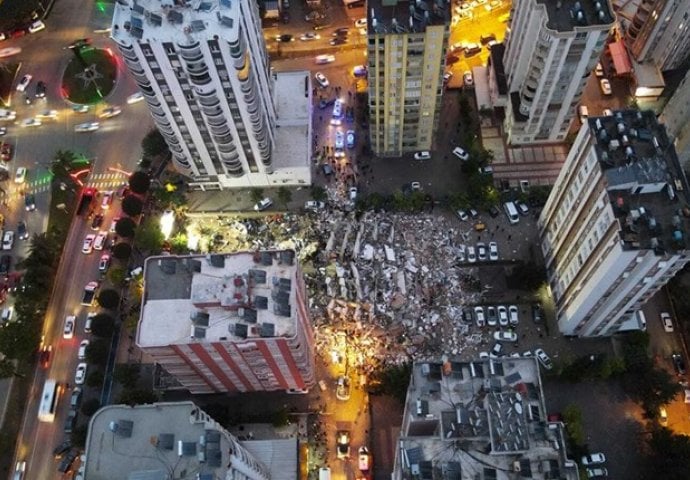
44,355
5,152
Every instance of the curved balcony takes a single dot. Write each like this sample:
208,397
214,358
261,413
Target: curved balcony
196,68
244,69
235,170
203,79
190,53
224,139
227,148
230,158
181,161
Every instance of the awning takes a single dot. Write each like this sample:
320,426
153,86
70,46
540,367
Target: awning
619,55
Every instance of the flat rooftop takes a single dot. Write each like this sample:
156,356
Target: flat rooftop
399,17
483,416
292,95
567,15
142,443
218,297
172,20
647,187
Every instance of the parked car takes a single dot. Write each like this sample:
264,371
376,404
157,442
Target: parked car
493,251
543,358
593,459
321,80
29,202
605,86
481,251
62,448
537,314
68,330
471,255
342,391
497,350
461,153
492,318
8,240
513,314
467,79
350,139
81,353
22,232
20,175
36,26
666,321
263,204
24,83
678,363
80,373
343,444
502,315
462,215
314,205
75,398
87,246
523,209
505,336
479,316
425,155
599,472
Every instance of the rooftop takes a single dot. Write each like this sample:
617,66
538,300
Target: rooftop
135,20
292,95
567,15
164,440
646,184
391,16
484,417
218,297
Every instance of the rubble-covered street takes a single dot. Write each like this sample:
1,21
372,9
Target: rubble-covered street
393,279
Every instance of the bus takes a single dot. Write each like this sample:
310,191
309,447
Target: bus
49,400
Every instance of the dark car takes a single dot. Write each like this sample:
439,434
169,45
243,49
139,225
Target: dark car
467,315
70,421
67,461
286,37
326,103
537,313
40,90
494,211
75,398
678,363
30,202
338,41
97,221
473,212
44,355
62,448
341,31
5,263
22,232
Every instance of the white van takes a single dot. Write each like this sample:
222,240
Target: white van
511,212
324,473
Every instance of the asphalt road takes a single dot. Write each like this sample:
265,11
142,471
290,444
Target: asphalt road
116,146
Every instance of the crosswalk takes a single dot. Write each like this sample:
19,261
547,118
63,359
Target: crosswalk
106,180
100,181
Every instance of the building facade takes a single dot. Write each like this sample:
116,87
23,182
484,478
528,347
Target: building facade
614,229
551,49
204,72
659,33
170,440
479,419
229,323
406,53
676,117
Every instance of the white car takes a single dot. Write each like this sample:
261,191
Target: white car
104,263
543,358
48,115
513,314
87,127
80,374
263,204
504,336
599,70
68,331
493,251
106,200
593,459
9,51
81,354
502,315
479,316
89,321
471,254
605,86
467,79
30,122
110,112
87,246
350,139
422,155
339,140
113,224
323,59
8,240
321,80
481,251
361,23
314,205
37,26
492,318
666,321
20,175
24,83
599,472
135,98
353,193
7,115
100,240
462,215
77,108
306,37
461,154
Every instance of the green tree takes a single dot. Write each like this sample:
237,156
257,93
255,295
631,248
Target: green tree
78,435
109,299
97,352
137,397
117,275
7,368
149,237
256,195
90,406
318,193
394,380
62,163
125,227
103,325
122,251
126,375
668,453
572,417
178,244
139,182
132,205
527,276
154,144
284,196
94,379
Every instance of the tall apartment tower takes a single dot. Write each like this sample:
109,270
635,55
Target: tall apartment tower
229,322
551,49
178,440
616,226
204,71
406,51
659,33
676,117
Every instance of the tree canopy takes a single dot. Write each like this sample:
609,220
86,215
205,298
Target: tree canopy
139,182
132,205
149,237
122,251
125,227
154,144
109,299
103,325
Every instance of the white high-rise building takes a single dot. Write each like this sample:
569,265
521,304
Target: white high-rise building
659,33
551,49
204,71
676,117
616,226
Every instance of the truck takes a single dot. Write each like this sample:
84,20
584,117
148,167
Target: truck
89,294
85,201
